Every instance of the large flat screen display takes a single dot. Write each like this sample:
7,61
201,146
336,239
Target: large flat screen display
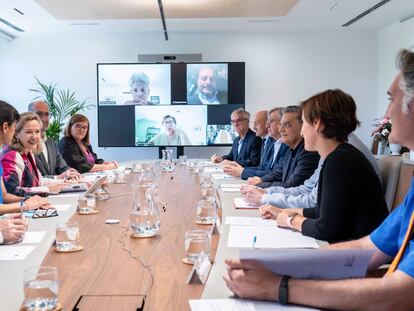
168,104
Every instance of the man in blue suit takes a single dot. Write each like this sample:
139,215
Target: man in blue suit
298,164
273,150
247,146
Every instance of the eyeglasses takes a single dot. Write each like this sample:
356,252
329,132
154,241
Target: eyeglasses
80,127
286,125
237,121
44,213
42,114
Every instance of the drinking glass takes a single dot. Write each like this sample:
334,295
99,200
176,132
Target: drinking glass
87,203
120,177
41,288
67,236
206,211
183,160
195,243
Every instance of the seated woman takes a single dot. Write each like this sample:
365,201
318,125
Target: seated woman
350,202
20,175
76,149
172,135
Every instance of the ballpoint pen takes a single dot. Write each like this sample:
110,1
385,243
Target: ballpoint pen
254,241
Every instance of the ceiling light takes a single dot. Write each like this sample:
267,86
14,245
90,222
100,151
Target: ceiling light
5,36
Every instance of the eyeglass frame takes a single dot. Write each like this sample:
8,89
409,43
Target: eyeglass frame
46,213
80,127
238,121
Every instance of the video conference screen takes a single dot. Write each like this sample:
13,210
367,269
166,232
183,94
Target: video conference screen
183,104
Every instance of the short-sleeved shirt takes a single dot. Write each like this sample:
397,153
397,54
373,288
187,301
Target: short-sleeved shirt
1,190
389,236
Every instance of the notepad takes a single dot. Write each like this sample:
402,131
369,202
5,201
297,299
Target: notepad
219,176
213,169
268,237
33,237
230,186
250,221
241,203
235,190
62,207
221,305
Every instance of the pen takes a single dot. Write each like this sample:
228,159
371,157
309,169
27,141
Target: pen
254,241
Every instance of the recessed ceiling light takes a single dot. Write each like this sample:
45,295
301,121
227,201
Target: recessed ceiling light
18,11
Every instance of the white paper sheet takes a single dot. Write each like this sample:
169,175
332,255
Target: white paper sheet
268,237
240,305
235,190
33,237
15,252
313,263
219,176
243,204
231,186
61,207
250,221
213,169
221,305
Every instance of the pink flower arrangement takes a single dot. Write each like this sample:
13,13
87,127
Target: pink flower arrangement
382,129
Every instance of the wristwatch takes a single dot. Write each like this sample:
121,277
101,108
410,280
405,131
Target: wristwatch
284,290
290,218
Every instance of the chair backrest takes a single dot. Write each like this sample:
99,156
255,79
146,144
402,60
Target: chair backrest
390,170
374,145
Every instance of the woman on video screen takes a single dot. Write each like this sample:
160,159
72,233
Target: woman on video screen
139,85
172,135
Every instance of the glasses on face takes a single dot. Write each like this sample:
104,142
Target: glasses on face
42,114
168,122
286,125
80,127
43,213
237,121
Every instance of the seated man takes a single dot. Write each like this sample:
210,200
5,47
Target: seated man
389,240
298,164
303,196
273,150
50,161
246,147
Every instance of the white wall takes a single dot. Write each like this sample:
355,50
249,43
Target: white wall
281,69
390,40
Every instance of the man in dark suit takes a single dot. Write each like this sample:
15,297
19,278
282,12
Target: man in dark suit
273,150
298,164
50,161
247,146
207,92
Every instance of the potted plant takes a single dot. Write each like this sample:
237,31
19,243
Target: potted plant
62,104
381,132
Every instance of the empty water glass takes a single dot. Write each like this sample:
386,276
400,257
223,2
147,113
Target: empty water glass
40,288
195,243
183,160
67,236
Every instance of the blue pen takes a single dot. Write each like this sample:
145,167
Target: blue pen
254,241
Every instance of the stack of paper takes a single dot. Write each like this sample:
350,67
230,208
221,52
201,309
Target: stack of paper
243,204
313,263
221,176
213,169
268,237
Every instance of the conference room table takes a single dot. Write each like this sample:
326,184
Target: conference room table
117,272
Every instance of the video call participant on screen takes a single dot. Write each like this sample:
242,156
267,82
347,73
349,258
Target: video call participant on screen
303,196
392,240
50,162
10,203
172,135
247,146
139,85
298,164
77,150
273,150
207,93
21,175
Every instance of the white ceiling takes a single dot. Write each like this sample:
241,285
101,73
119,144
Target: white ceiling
304,15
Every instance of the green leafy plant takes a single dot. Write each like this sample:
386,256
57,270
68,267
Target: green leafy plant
62,105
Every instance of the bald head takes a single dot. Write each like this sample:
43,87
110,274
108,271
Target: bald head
259,123
40,108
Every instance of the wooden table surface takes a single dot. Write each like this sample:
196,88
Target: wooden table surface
104,272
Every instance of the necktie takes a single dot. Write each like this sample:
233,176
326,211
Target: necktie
401,251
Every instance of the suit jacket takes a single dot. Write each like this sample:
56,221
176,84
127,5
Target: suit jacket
297,166
267,163
194,100
249,152
74,156
55,164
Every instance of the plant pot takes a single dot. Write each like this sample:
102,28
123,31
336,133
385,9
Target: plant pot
395,149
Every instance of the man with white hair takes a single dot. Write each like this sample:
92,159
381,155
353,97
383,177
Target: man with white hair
392,240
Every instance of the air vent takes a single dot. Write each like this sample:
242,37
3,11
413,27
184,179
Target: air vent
371,9
7,23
